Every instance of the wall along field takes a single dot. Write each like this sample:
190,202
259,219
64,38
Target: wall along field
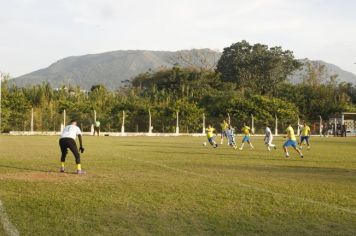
175,185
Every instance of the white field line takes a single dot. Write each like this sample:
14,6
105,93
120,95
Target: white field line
257,189
9,228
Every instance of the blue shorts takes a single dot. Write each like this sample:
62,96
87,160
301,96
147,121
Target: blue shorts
211,139
246,139
290,143
306,138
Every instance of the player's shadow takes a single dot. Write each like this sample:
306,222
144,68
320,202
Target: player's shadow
31,169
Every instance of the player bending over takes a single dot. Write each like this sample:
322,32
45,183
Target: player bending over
246,131
269,138
304,136
67,141
210,135
224,126
230,133
292,141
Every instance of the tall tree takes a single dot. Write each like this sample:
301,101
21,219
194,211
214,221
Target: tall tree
256,67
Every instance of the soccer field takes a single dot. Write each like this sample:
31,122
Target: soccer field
175,186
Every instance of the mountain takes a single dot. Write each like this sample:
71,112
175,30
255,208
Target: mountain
113,69
329,70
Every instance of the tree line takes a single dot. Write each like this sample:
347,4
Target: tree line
248,80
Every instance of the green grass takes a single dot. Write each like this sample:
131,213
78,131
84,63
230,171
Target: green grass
175,186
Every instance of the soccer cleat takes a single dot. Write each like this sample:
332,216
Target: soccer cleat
61,169
81,172
301,156
287,156
275,148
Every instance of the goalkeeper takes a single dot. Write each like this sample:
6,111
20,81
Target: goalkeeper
67,141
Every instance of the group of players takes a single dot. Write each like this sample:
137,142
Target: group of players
72,131
228,132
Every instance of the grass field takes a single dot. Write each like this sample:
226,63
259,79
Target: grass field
175,186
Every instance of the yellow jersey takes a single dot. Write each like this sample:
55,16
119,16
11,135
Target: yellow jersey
290,133
246,130
224,125
210,132
305,131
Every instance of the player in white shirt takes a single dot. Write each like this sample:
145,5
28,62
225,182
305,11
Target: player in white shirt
269,138
67,140
230,133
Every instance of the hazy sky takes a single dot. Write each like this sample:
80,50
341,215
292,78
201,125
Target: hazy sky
36,33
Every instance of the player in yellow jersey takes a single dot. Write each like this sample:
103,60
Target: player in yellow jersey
304,136
210,135
246,131
292,141
224,127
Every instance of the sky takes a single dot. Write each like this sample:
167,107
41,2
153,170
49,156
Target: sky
37,33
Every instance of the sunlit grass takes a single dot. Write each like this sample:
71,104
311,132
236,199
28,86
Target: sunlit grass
176,186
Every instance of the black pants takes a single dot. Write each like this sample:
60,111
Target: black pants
96,130
70,143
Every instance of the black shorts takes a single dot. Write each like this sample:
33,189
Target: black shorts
69,143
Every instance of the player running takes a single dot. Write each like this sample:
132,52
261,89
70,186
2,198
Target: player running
67,140
210,135
292,141
246,131
269,138
224,126
304,136
230,133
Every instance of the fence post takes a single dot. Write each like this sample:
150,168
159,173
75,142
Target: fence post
64,120
177,125
32,120
276,127
298,128
203,123
320,126
228,118
123,123
149,121
92,125
64,117
252,124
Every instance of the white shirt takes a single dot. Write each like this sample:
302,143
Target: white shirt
230,132
268,133
71,131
